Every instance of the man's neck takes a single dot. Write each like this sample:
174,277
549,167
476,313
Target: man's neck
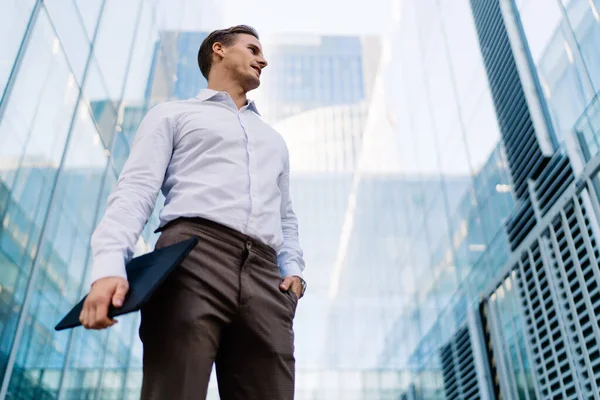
236,92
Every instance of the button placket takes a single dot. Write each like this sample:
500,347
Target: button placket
249,166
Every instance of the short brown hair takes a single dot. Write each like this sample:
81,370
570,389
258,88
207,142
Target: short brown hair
223,36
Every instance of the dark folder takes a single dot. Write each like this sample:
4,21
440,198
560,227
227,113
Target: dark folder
145,274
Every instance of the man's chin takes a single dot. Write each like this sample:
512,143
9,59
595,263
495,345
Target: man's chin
252,84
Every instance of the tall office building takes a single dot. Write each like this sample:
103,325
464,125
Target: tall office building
505,302
72,90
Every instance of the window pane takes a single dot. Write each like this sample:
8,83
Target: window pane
142,57
461,38
454,159
482,132
120,152
89,11
13,21
37,117
67,22
564,80
62,258
439,85
102,106
584,17
563,84
113,44
33,133
540,19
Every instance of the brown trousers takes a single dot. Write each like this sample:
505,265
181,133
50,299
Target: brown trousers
223,305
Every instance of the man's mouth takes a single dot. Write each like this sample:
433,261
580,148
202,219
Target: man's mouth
257,70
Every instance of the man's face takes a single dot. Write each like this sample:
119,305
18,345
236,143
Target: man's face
244,59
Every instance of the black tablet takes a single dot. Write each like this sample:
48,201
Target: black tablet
145,274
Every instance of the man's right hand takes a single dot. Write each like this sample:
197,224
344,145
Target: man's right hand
102,293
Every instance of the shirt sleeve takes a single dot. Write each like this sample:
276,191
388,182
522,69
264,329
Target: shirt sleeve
132,202
290,257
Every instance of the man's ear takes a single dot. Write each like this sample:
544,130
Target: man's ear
218,49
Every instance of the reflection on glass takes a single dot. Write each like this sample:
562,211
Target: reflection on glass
463,47
565,57
13,21
70,31
540,19
62,257
439,85
102,106
112,48
89,11
141,58
39,127
451,136
53,187
584,20
33,138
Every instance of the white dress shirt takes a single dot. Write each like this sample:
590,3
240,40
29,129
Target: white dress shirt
210,160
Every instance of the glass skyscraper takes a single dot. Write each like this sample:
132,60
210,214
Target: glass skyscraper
73,77
503,283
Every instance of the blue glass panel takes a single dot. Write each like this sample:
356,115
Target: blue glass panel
71,33
112,47
14,18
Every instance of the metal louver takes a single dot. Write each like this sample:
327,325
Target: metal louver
556,176
573,254
525,157
546,333
520,222
559,291
553,181
458,367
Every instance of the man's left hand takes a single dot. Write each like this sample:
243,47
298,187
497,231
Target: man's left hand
293,283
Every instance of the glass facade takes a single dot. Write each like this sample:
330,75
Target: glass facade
73,78
565,51
451,105
463,189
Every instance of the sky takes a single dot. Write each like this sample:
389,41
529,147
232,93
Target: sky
276,16
315,16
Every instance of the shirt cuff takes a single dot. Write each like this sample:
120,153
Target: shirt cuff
291,269
108,265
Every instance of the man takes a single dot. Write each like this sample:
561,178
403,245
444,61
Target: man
225,176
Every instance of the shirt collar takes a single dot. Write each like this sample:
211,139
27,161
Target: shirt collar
208,94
